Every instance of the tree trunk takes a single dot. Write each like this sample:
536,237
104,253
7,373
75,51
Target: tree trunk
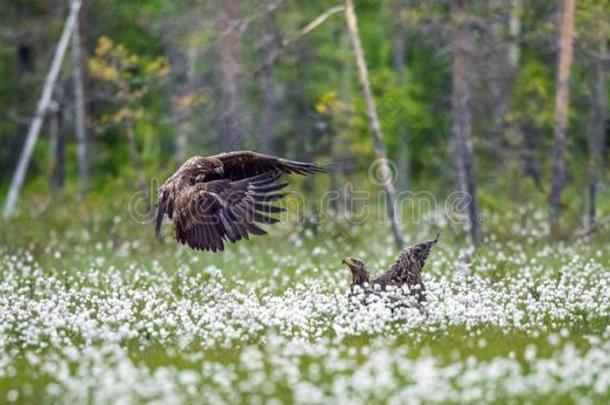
500,69
304,142
462,114
183,112
562,98
43,103
386,176
135,158
514,31
403,176
399,63
341,157
335,187
399,32
523,132
79,106
58,147
599,118
227,125
269,113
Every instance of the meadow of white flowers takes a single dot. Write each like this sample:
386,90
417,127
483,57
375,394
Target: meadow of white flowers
516,323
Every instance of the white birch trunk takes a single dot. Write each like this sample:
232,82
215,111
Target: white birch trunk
41,109
386,175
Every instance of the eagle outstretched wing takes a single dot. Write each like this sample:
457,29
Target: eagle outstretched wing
208,214
244,164
212,199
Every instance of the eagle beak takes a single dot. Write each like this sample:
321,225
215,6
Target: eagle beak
346,261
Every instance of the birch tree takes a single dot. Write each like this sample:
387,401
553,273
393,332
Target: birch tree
462,114
380,151
41,109
599,110
562,101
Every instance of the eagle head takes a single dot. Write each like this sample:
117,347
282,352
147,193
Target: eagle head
360,273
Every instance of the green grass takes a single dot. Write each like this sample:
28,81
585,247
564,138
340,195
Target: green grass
68,247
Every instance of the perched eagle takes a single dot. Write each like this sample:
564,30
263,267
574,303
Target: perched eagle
405,271
222,197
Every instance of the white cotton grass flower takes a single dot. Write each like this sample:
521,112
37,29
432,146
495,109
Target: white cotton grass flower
119,330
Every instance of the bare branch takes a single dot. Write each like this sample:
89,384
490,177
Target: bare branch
286,44
315,23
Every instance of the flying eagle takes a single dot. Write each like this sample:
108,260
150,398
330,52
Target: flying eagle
211,199
405,271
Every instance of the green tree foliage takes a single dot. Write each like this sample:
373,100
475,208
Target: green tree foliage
131,45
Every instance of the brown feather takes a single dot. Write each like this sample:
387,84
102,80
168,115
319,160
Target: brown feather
405,271
217,198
